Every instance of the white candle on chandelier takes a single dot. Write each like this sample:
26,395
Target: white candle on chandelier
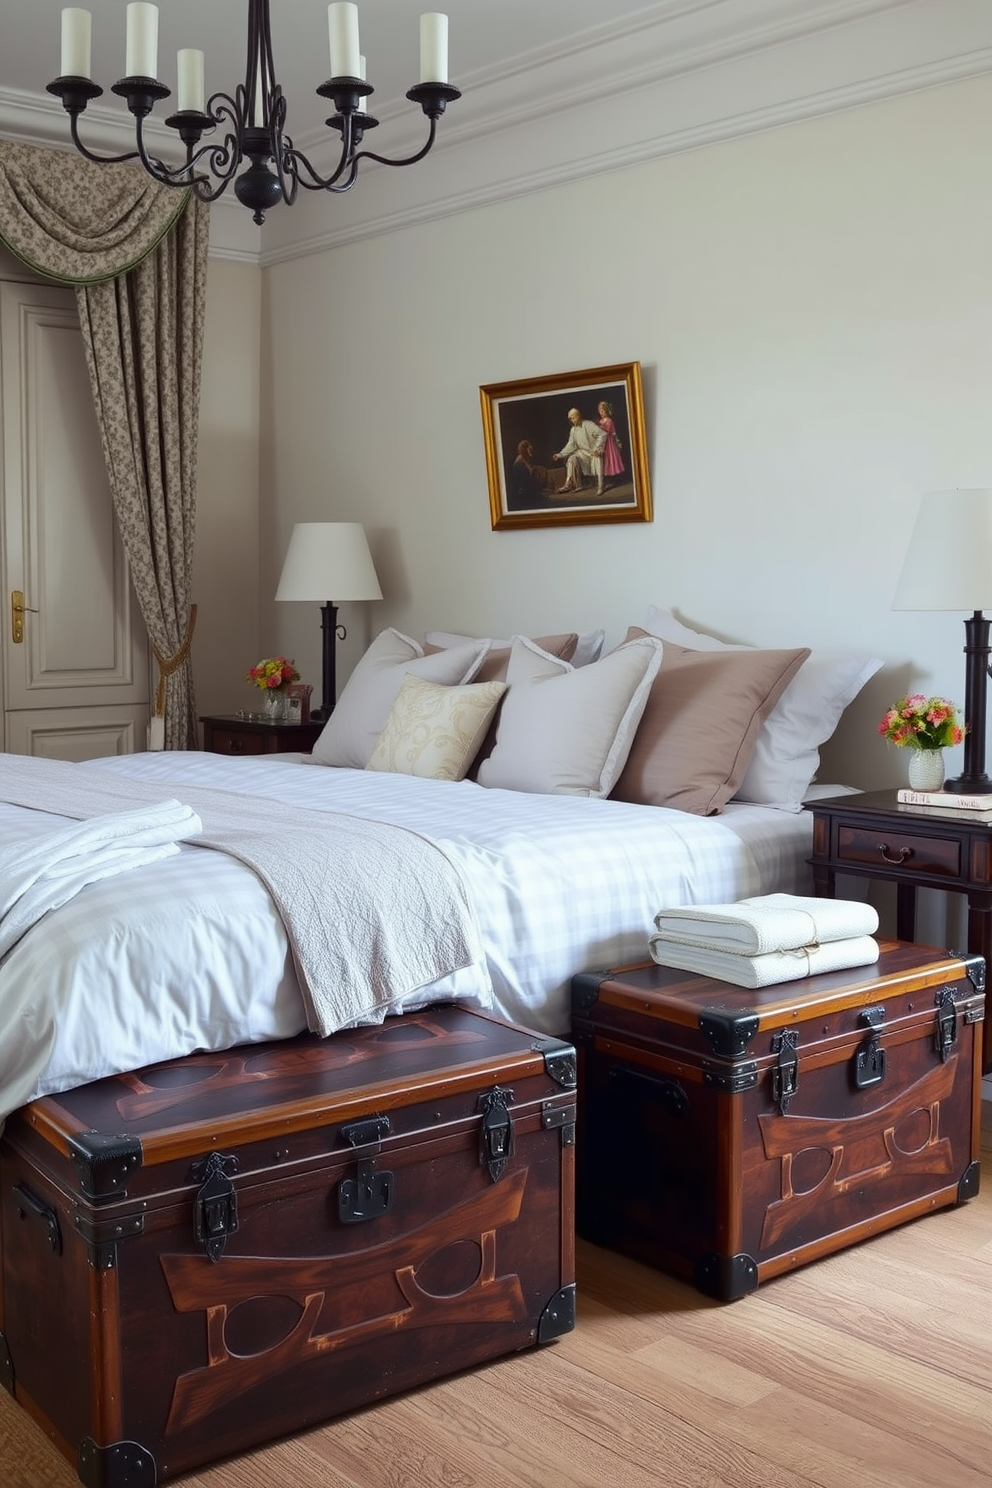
141,51
433,48
190,74
76,32
342,25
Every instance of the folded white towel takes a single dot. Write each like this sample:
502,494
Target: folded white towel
765,970
767,922
39,873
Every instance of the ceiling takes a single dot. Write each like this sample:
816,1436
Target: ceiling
552,90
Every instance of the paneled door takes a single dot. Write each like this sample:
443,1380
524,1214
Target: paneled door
75,652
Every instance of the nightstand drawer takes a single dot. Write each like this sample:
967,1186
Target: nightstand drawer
235,741
875,847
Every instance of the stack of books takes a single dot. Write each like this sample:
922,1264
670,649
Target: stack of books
947,803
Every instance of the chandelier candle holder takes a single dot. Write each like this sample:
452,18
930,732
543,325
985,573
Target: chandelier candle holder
255,116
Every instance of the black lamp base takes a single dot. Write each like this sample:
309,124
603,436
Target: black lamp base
973,780
969,785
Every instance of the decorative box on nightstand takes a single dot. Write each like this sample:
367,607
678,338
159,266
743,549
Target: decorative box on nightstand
874,835
227,733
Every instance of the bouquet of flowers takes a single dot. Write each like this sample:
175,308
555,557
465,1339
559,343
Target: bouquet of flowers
273,674
920,722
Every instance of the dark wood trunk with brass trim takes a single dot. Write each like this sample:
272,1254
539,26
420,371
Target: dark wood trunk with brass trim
209,1253
728,1135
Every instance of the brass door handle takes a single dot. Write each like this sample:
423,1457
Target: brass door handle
18,609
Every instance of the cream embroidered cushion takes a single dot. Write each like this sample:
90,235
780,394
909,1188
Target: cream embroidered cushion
352,731
567,730
435,731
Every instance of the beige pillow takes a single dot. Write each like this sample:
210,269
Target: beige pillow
435,731
588,644
701,724
493,668
566,730
352,731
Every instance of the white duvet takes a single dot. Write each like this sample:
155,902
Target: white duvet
190,953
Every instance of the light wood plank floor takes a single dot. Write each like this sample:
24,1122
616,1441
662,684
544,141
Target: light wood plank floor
871,1368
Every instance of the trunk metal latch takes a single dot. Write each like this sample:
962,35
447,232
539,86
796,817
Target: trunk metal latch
215,1207
946,1030
370,1192
785,1074
869,1059
496,1132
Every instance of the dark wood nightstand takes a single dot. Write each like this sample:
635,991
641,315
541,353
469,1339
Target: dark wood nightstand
226,733
874,836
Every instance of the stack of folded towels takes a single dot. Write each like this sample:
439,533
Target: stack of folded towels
770,938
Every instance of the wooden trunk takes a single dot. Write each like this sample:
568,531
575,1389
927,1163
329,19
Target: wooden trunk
729,1135
212,1252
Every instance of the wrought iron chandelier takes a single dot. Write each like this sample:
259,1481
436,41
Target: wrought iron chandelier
256,115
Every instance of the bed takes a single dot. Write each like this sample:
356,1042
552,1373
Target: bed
573,835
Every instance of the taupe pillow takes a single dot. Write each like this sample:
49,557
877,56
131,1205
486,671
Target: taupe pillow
566,730
435,731
699,729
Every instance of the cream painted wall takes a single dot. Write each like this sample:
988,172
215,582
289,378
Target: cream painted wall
812,308
226,584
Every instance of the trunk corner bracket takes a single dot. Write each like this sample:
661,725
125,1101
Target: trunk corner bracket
123,1464
559,1315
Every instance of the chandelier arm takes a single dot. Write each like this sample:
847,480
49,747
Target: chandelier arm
283,154
333,183
300,167
88,154
225,156
167,176
407,159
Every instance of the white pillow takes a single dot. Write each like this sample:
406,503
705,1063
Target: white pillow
588,648
566,730
350,734
434,731
787,755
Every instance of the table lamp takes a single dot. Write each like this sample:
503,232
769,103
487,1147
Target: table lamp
328,558
949,567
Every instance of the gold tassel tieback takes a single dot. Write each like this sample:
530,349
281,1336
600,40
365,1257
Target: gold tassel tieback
166,666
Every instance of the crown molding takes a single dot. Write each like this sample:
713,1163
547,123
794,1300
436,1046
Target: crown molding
676,76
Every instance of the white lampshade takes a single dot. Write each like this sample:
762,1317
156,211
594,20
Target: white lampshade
328,561
948,565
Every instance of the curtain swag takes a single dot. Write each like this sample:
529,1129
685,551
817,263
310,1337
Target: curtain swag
80,223
136,253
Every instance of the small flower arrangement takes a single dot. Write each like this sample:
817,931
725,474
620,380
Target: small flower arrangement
920,722
273,674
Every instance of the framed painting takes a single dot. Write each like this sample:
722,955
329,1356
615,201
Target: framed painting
567,449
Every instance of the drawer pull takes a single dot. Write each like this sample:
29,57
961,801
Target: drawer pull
905,853
235,746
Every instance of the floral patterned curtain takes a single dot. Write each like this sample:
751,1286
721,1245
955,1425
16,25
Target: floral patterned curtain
137,254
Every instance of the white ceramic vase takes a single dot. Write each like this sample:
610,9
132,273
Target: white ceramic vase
926,769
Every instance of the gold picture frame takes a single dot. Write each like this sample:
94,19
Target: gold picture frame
541,458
